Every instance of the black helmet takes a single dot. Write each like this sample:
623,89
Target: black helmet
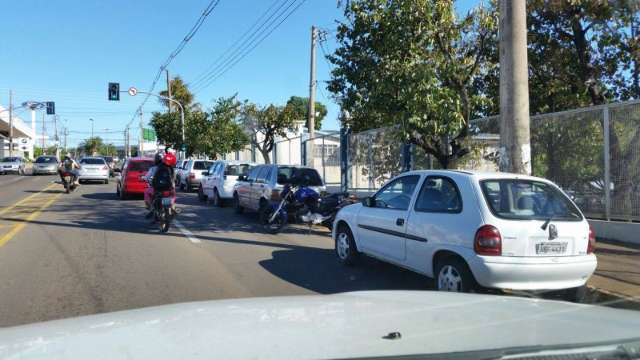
157,159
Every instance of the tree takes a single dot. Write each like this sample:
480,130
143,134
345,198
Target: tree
265,124
179,92
92,145
225,134
412,64
299,110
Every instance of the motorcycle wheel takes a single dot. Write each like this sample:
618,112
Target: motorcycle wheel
165,220
273,227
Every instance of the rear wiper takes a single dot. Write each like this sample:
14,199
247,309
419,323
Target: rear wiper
546,223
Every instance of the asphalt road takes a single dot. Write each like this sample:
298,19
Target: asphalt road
88,252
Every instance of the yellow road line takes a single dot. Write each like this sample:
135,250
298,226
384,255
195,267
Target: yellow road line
16,228
7,209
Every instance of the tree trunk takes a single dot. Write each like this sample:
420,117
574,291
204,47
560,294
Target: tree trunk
265,156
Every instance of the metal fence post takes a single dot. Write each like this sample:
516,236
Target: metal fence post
344,159
303,152
324,172
607,164
274,152
407,163
370,158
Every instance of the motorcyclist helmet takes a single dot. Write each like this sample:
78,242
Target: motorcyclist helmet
169,159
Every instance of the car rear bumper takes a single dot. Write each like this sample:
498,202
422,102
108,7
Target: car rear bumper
526,273
44,171
135,188
104,176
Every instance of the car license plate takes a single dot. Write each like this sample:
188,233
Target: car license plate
551,248
166,201
7,166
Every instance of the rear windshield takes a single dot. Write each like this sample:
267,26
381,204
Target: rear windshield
92,161
10,159
528,200
237,170
305,176
108,159
45,159
140,165
201,165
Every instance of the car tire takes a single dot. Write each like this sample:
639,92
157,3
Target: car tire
201,196
182,188
123,195
345,246
217,202
236,204
452,274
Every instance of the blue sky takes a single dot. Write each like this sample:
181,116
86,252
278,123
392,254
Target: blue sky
67,52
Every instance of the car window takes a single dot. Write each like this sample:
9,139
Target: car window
92,161
528,200
309,177
397,194
11,159
439,194
263,174
201,165
254,173
237,170
139,165
108,159
212,168
45,160
284,174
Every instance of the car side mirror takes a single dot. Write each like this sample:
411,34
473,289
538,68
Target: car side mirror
205,173
242,178
368,202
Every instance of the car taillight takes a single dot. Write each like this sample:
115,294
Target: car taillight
592,241
488,241
192,176
275,195
105,167
166,193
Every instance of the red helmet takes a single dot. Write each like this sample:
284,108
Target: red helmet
169,159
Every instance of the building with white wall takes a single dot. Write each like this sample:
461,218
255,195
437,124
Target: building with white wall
23,136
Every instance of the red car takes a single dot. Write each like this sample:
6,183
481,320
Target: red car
129,182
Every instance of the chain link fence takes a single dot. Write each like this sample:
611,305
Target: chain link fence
592,153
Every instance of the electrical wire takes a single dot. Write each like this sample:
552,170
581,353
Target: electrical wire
207,11
233,61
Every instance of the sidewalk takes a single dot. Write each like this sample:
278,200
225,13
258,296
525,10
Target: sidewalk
617,277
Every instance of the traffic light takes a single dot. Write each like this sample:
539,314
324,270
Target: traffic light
51,107
114,92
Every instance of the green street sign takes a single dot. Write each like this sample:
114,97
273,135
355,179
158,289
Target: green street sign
148,135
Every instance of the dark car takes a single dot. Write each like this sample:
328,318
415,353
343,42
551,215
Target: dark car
129,182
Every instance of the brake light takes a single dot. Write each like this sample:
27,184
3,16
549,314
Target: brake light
591,247
166,194
488,241
275,195
192,176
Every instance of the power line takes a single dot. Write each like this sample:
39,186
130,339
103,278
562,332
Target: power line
234,60
205,13
204,74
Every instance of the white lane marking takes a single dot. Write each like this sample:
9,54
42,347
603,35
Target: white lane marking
186,232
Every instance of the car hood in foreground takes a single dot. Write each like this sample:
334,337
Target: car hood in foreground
320,326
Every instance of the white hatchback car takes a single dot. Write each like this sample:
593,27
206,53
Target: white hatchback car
217,183
495,230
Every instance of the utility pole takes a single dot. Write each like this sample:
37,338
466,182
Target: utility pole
168,89
515,146
55,134
44,150
90,119
140,143
311,118
10,123
66,133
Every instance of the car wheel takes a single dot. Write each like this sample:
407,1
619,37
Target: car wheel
453,274
123,195
117,191
236,204
345,246
201,196
181,186
217,202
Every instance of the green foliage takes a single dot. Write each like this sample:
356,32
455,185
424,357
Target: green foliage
266,123
412,63
226,135
179,92
50,150
299,108
95,146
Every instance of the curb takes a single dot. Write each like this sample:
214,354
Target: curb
597,296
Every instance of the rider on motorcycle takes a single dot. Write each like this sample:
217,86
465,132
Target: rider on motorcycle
68,165
163,178
148,192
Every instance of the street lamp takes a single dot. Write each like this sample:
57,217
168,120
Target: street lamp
133,92
91,127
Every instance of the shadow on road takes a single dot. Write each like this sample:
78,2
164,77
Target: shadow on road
51,191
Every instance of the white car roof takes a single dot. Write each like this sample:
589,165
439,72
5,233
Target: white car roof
478,175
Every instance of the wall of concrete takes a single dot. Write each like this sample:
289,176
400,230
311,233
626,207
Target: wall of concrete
624,232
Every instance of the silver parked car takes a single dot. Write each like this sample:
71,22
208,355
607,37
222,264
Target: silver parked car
191,173
45,164
12,164
93,169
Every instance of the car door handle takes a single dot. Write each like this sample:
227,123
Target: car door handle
399,221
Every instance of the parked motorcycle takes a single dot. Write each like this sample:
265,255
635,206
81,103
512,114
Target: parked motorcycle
304,205
68,183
